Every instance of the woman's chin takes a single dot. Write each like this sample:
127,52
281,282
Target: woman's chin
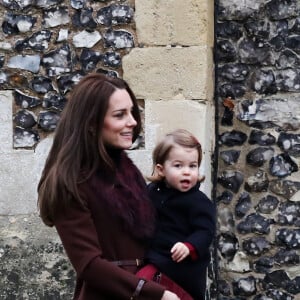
125,146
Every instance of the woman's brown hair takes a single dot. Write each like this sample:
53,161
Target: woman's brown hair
77,149
179,137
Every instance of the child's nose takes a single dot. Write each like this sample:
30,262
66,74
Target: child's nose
186,170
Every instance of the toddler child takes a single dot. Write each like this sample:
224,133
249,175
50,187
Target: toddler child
185,216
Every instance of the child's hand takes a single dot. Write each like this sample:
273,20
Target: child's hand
179,252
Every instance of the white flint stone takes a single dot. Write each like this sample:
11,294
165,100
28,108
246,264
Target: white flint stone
296,197
25,104
224,216
48,60
246,285
239,263
56,18
121,43
287,144
43,3
27,140
292,271
62,35
86,39
24,26
3,77
278,111
26,62
5,46
268,154
53,71
227,246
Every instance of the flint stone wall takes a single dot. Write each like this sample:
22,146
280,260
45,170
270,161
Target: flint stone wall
257,56
46,46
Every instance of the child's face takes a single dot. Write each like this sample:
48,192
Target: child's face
180,170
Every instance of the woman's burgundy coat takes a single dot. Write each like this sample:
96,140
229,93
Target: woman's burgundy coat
94,236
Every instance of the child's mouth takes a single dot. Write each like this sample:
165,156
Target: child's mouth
185,183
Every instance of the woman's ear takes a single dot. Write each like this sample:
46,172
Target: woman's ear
159,170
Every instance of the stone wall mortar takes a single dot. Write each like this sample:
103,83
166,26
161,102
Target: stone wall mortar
257,56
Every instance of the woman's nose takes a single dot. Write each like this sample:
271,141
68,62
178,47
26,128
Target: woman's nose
131,120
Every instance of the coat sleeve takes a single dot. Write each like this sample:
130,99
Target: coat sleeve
203,223
79,238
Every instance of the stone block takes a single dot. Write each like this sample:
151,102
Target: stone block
20,169
175,22
18,183
6,132
142,159
170,72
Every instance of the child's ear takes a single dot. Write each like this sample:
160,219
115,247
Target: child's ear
159,170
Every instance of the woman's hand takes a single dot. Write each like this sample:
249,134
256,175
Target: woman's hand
179,252
167,295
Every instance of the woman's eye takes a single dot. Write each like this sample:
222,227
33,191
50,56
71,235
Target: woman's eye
119,115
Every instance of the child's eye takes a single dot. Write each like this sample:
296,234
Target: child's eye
177,165
194,166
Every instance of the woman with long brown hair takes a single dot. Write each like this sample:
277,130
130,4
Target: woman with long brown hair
95,196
